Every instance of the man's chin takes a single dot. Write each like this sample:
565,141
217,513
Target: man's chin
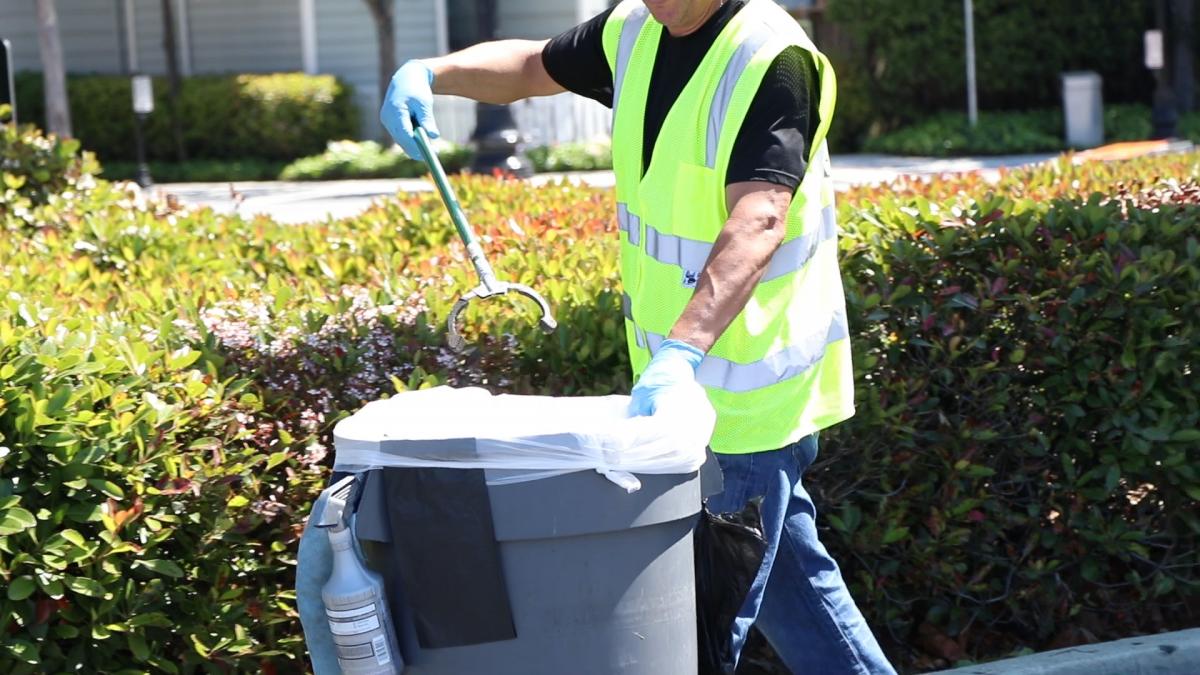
659,10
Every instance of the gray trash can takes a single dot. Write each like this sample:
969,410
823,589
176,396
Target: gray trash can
504,552
600,581
1083,109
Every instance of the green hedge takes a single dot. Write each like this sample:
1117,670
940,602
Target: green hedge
278,116
997,133
368,159
911,52
1025,446
1020,473
582,156
37,169
198,170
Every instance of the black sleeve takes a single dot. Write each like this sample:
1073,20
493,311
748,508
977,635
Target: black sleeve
575,60
772,145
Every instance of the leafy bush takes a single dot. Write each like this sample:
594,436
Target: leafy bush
583,156
368,159
856,113
159,448
949,134
278,116
1019,473
1024,451
913,51
35,168
1128,122
1189,126
198,170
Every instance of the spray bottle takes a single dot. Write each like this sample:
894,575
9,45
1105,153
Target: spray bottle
355,602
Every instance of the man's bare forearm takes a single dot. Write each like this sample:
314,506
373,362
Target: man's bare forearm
740,256
494,72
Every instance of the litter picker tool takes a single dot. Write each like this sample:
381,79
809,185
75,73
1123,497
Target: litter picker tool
489,286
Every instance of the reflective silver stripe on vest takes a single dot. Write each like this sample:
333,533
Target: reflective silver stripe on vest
692,254
793,255
639,335
724,93
629,223
742,377
629,35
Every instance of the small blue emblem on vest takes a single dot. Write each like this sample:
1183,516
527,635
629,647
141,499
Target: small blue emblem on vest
690,278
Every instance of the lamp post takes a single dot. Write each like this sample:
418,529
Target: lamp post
972,98
1164,116
8,95
143,105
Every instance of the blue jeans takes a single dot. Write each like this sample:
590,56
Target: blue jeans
798,600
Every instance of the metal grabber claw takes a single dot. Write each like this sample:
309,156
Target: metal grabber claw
489,286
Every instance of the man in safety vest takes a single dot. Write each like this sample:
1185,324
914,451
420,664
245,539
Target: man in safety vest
728,257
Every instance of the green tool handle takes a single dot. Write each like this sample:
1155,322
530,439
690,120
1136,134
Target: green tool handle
443,186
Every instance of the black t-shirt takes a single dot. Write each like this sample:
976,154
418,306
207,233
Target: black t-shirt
770,146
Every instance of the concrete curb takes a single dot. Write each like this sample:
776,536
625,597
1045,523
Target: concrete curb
1163,654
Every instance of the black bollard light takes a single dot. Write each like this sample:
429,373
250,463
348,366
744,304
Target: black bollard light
496,138
498,142
1164,116
8,94
143,105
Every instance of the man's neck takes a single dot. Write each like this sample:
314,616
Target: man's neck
694,25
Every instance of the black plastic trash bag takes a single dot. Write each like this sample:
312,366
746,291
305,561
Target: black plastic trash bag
729,550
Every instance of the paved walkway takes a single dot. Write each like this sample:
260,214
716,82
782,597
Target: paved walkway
299,202
1175,653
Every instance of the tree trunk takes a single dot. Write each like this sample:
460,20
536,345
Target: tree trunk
54,77
382,11
173,81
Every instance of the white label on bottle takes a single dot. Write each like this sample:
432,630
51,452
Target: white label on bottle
354,652
382,657
358,627
350,613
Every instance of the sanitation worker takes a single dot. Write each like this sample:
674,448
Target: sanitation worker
728,258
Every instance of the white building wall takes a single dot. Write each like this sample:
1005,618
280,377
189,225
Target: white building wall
18,25
348,46
246,36
88,29
264,36
148,36
544,120
535,19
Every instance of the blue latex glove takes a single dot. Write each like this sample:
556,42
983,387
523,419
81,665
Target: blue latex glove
409,95
674,363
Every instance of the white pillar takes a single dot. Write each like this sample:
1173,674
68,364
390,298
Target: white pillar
308,35
972,100
183,37
131,50
441,25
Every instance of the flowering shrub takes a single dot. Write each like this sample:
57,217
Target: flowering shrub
1019,473
368,159
34,168
1027,416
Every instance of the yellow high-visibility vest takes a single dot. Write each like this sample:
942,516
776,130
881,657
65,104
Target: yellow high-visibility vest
782,369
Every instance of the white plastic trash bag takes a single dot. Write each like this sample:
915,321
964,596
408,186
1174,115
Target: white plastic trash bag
520,438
